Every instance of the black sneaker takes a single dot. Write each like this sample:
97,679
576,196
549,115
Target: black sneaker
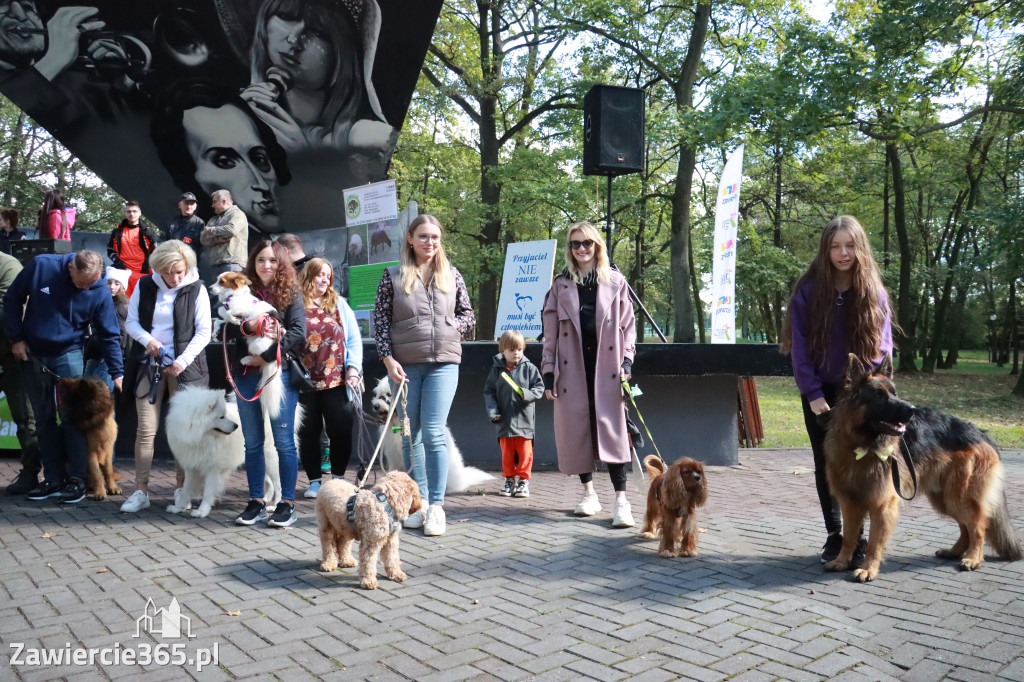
833,544
45,491
73,493
522,490
24,484
254,511
859,553
284,515
508,488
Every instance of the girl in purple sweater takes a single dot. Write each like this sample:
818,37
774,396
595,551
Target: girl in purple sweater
839,306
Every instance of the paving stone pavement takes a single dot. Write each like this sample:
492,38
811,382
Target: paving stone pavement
516,589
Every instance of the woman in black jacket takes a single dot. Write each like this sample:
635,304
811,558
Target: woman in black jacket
169,326
274,280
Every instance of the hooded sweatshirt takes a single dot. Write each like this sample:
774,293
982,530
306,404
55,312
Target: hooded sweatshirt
163,318
58,314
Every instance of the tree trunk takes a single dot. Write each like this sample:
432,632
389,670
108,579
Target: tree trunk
885,215
698,306
955,328
680,248
975,170
682,195
1012,305
490,189
777,318
17,145
904,306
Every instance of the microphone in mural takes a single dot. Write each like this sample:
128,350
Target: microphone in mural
326,48
280,79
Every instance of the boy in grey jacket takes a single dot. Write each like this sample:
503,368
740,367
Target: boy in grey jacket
512,387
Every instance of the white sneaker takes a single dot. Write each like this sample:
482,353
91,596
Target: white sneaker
435,521
138,501
588,506
623,516
414,520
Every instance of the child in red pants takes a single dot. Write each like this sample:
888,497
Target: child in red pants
510,391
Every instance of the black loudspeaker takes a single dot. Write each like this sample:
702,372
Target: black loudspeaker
27,249
613,130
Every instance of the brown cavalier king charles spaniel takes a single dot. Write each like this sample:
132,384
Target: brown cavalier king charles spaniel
672,502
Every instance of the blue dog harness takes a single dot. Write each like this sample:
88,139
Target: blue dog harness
350,510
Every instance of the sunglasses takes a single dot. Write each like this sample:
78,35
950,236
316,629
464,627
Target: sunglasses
585,244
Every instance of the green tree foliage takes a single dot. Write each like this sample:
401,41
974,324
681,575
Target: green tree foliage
32,161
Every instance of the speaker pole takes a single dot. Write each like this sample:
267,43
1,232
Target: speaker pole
611,261
608,224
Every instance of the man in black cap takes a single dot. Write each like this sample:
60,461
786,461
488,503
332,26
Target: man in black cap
188,226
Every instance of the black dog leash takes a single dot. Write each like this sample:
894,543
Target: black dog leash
905,451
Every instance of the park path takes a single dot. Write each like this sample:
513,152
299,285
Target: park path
517,589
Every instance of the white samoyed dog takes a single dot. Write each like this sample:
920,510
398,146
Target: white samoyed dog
460,476
205,435
236,305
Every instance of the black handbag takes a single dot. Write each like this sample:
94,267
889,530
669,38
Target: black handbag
298,375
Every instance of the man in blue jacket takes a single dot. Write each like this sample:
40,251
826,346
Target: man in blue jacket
61,297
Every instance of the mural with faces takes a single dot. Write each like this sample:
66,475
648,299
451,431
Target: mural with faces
283,102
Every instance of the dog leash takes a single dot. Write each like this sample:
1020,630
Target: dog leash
629,394
260,328
401,394
905,451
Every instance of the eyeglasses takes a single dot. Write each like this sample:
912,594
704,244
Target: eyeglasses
585,244
429,238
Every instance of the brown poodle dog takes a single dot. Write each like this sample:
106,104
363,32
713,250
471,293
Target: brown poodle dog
88,405
672,502
375,524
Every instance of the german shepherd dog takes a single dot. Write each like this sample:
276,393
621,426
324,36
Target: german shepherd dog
958,469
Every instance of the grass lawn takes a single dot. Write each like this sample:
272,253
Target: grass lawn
975,390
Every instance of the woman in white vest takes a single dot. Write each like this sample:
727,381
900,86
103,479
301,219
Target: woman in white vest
421,316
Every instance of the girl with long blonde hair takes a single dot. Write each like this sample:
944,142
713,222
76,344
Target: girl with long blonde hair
420,318
589,345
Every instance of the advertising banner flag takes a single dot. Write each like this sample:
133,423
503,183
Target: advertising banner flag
529,267
723,285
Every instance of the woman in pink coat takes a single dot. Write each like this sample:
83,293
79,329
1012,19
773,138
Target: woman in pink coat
589,344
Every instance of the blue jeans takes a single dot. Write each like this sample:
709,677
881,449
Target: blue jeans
97,369
282,429
431,391
63,450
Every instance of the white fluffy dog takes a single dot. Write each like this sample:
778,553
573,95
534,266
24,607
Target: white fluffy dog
460,476
204,435
237,304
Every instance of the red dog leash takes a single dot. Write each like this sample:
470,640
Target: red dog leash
261,328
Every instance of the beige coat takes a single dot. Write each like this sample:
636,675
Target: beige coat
563,356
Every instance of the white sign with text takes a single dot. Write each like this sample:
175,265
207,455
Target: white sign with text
529,268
